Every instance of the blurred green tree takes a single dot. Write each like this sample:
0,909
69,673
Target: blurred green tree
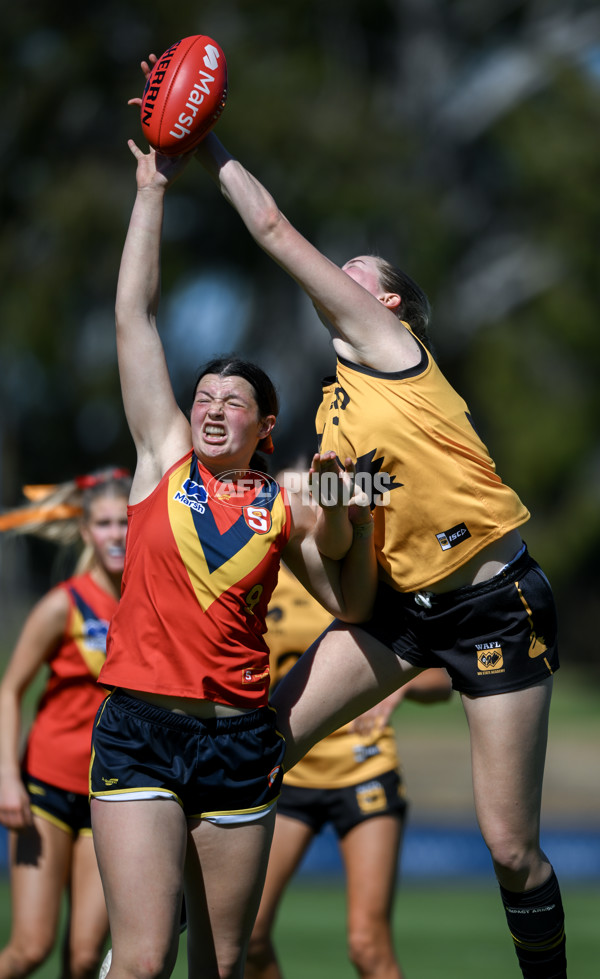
456,137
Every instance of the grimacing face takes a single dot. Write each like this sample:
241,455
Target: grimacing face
226,425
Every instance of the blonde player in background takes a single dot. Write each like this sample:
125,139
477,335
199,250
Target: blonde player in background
44,791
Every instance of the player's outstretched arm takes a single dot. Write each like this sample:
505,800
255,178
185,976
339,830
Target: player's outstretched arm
159,429
362,327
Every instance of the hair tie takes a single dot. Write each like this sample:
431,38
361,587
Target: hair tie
266,445
95,479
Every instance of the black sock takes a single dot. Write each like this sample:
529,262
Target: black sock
537,924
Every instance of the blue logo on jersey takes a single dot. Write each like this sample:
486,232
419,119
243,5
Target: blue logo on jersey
192,495
94,633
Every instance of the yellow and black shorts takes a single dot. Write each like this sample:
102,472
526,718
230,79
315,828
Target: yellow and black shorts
493,637
345,807
222,769
67,810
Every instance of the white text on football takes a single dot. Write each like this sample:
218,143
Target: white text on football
194,101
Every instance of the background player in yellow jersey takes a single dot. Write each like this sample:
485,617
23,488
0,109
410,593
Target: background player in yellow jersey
353,780
457,587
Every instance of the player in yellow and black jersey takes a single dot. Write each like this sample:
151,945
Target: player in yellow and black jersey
457,587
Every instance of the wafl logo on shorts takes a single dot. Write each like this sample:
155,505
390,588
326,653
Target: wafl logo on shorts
192,495
489,658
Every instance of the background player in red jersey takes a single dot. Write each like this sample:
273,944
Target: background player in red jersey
44,794
457,587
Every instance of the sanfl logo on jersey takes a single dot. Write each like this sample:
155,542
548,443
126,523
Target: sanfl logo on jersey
258,519
192,495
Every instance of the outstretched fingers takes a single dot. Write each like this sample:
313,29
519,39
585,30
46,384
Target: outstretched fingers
146,67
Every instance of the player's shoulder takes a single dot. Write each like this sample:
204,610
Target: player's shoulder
404,358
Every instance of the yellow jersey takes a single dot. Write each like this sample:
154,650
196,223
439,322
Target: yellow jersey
294,620
438,499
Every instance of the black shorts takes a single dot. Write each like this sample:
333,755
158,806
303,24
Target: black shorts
67,810
494,637
347,807
224,769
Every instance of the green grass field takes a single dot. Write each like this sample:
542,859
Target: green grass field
446,931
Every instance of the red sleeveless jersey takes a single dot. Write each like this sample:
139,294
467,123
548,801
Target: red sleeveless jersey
201,564
58,747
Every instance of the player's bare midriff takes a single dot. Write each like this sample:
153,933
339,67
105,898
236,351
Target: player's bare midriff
187,705
487,563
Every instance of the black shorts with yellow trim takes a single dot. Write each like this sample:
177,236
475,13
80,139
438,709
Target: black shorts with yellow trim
346,807
493,637
222,769
69,811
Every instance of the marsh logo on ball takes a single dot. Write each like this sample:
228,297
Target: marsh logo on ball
185,94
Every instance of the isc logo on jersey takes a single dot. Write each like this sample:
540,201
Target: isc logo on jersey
192,495
258,518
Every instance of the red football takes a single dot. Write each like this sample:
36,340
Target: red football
184,95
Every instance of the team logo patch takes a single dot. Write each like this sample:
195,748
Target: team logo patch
489,658
371,797
254,676
258,519
192,495
450,538
273,774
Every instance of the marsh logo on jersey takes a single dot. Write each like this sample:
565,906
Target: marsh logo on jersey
489,658
192,495
450,538
95,632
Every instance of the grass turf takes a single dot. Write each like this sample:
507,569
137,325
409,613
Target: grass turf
455,931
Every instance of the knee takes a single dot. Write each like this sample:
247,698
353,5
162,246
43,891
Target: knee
84,962
260,954
515,861
24,958
149,965
370,947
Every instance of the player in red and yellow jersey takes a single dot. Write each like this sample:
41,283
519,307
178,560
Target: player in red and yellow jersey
44,794
186,755
353,780
457,587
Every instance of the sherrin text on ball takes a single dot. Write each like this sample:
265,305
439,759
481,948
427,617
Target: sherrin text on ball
184,95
